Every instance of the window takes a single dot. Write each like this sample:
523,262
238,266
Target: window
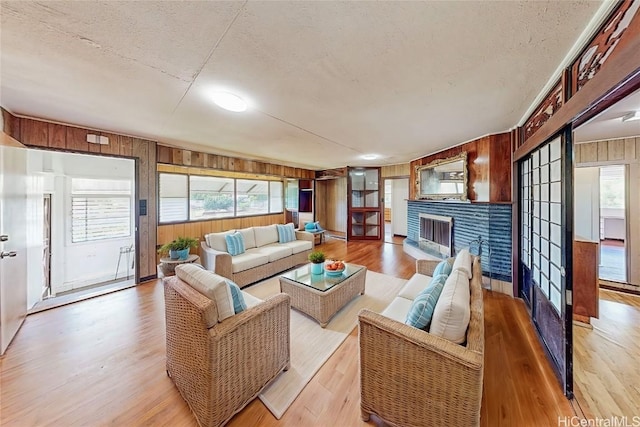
100,209
197,197
210,197
174,197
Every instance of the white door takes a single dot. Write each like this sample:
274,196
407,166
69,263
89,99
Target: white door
399,195
13,248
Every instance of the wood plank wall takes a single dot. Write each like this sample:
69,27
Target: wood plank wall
180,157
393,171
53,136
332,212
172,159
488,164
625,151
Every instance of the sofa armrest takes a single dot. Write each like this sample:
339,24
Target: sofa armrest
426,266
217,261
403,367
305,235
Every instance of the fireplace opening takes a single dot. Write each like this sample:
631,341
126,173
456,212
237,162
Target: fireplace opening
436,233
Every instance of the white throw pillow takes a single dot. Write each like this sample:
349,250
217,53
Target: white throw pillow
249,237
265,235
210,285
452,313
217,240
463,262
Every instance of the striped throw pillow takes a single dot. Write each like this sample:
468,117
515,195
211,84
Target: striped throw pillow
235,243
238,300
443,267
421,311
286,233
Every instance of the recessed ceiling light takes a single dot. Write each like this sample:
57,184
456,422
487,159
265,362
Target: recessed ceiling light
369,156
634,115
229,101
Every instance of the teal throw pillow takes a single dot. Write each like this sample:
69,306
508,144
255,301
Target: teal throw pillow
421,311
310,226
235,244
443,267
286,233
238,300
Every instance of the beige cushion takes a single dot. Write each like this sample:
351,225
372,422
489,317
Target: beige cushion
217,240
210,285
275,251
451,315
265,235
298,246
463,262
249,237
398,309
414,286
250,300
251,258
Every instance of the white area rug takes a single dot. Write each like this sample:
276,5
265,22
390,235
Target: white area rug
312,345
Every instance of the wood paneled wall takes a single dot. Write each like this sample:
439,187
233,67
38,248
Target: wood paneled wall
614,151
488,164
41,134
393,171
332,211
180,157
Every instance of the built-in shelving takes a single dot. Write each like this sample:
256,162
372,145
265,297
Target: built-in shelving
364,204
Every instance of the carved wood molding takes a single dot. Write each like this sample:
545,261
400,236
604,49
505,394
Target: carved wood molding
547,108
601,48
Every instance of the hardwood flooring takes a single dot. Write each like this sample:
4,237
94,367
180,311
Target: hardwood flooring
606,370
101,362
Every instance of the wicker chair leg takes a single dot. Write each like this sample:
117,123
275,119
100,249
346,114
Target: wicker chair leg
364,415
168,374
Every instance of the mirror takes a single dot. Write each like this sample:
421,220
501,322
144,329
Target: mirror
443,179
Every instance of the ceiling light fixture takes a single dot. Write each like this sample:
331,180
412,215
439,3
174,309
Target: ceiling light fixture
369,156
632,116
229,101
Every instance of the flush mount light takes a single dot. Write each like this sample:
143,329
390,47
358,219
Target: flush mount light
634,115
229,101
369,156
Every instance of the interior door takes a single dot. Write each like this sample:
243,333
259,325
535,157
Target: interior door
546,237
13,229
400,195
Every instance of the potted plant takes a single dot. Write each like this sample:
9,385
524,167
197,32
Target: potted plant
178,248
317,262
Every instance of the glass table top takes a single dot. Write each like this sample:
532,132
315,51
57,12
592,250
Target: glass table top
321,282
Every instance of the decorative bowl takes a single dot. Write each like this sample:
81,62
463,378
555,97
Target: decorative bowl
334,273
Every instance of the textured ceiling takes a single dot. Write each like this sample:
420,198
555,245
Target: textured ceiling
328,81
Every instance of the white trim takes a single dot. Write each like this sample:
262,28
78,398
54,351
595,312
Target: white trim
590,30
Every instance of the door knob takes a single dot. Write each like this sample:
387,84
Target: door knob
4,238
5,254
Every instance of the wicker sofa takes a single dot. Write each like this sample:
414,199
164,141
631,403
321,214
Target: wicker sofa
264,255
411,377
219,367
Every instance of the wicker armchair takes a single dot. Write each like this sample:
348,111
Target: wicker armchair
409,377
220,367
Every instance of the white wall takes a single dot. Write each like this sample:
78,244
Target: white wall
587,204
74,265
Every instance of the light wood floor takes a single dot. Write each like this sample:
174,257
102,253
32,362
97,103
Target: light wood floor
101,362
606,365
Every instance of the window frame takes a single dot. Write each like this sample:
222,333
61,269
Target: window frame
235,190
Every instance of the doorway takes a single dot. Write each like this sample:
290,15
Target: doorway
613,224
396,193
86,227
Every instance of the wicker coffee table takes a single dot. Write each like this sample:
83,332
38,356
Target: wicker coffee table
319,295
